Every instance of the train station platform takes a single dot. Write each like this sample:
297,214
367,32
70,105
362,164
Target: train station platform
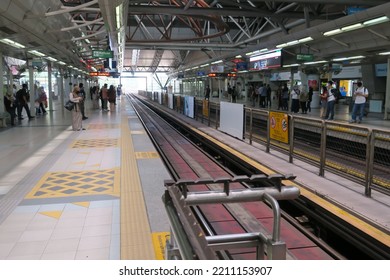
91,194
96,193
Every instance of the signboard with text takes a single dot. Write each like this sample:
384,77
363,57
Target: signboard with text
278,126
102,54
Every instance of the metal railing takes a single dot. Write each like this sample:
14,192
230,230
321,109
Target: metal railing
352,151
189,241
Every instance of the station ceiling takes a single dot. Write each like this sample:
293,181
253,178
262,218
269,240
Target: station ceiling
172,35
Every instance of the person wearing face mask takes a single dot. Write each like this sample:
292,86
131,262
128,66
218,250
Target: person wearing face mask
360,95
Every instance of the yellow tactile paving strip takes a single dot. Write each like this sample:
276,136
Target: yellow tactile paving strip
77,183
95,143
136,240
102,126
146,155
137,132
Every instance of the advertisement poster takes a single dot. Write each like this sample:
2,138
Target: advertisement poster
313,84
279,126
206,108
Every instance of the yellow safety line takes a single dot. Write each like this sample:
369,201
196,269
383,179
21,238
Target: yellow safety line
351,219
136,241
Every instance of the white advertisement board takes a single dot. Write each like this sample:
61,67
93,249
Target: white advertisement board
189,102
170,100
232,119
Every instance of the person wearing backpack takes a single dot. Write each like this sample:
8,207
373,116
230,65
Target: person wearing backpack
360,94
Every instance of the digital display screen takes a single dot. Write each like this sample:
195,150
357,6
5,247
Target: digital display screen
272,59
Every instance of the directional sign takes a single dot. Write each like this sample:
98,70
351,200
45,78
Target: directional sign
102,54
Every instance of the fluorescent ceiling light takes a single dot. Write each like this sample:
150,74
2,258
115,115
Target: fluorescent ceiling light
376,20
238,56
384,53
37,53
51,58
348,58
61,62
12,43
291,65
295,42
333,32
306,39
216,62
256,52
204,65
315,62
352,27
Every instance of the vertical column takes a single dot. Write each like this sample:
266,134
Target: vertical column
313,80
60,87
49,88
31,87
2,93
387,96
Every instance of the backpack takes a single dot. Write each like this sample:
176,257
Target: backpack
336,93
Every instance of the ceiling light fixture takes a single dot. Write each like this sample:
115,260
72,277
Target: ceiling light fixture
352,27
51,58
384,53
295,42
333,32
348,58
291,65
12,43
37,53
376,21
315,62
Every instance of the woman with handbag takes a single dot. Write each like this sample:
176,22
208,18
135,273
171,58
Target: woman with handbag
76,112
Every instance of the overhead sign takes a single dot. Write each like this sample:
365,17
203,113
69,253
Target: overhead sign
95,74
266,60
305,57
102,54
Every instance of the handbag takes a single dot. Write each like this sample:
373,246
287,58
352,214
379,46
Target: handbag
69,105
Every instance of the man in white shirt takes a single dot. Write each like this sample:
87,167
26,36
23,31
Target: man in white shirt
360,94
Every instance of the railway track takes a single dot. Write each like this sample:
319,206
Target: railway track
336,238
195,173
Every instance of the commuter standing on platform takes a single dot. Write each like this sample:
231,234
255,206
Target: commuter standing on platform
9,105
234,94
104,97
82,102
360,94
309,99
207,93
112,97
323,101
295,99
331,100
285,97
303,97
76,112
23,97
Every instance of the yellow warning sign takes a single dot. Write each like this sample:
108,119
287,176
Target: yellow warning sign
159,244
278,126
205,108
